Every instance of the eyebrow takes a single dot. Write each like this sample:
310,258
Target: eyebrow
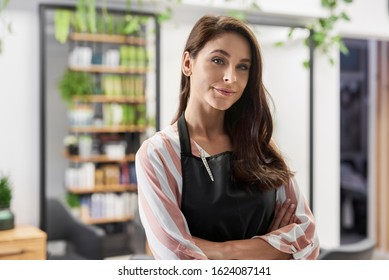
228,55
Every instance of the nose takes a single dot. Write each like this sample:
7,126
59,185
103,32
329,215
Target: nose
229,75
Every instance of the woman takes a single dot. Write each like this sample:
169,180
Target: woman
213,185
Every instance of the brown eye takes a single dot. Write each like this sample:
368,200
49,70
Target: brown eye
244,67
218,60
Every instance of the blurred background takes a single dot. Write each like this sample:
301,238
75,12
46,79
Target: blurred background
83,83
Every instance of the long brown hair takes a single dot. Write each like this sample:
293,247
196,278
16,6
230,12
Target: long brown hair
248,122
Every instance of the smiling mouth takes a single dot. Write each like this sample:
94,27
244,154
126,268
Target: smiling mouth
224,91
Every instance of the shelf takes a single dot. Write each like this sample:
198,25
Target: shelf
107,38
111,99
105,188
92,221
99,158
108,69
108,129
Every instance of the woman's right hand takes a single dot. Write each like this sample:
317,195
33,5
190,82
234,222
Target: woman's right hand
284,215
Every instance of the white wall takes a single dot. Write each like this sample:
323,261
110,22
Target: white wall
288,85
369,19
19,100
19,114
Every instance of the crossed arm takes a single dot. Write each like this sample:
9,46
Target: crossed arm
252,249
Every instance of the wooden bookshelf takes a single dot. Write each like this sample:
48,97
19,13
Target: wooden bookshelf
111,99
109,69
108,129
92,221
98,158
107,38
104,189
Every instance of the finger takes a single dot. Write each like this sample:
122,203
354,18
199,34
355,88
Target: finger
281,213
296,219
288,216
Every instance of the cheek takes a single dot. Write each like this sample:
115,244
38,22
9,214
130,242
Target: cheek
243,80
208,74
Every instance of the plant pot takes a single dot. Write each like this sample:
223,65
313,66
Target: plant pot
7,219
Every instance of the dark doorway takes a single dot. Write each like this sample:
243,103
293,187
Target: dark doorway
354,99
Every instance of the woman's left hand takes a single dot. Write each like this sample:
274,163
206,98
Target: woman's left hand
284,215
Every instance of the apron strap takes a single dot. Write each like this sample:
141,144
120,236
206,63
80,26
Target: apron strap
183,134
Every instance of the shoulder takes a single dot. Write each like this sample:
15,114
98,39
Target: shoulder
161,142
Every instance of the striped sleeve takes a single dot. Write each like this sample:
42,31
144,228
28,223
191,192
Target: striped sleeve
299,239
158,171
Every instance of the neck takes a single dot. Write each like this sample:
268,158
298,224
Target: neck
204,123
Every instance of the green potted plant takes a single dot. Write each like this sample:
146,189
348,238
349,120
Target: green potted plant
74,83
7,220
73,201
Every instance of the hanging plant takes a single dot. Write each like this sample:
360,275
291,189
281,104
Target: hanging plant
62,19
323,38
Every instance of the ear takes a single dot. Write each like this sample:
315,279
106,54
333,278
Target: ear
186,64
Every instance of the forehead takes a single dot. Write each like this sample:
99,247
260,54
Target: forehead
233,43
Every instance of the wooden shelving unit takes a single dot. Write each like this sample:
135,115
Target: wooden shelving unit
105,188
111,109
107,38
111,99
108,220
108,129
108,69
98,158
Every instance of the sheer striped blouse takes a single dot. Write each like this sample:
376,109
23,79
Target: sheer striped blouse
158,170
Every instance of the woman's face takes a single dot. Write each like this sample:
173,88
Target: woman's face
219,73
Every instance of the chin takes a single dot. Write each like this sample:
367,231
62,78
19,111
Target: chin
222,107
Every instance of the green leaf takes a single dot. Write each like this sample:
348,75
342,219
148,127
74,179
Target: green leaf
165,15
279,44
74,83
348,1
319,37
331,4
342,47
255,6
91,19
344,16
323,22
290,33
331,60
336,39
5,191
333,18
306,41
62,20
81,16
306,64
73,200
131,26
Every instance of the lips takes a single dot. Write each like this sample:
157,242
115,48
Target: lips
224,91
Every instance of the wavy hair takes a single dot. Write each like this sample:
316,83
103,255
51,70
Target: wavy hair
248,122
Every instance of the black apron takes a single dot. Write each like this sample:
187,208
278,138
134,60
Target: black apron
222,209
